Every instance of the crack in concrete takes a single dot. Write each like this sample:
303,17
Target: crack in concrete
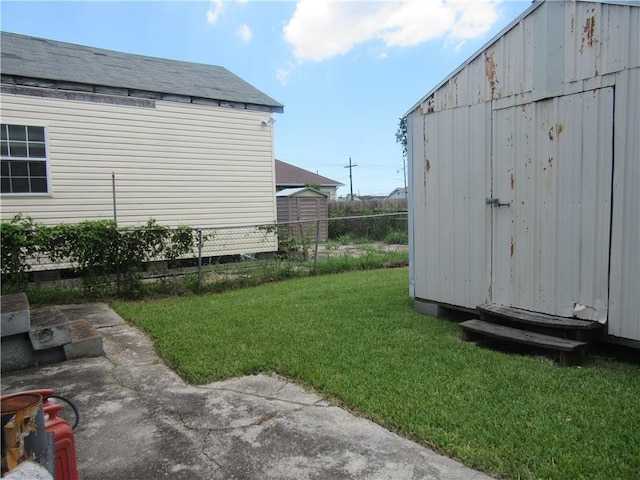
136,390
261,421
118,379
202,451
284,384
202,442
269,397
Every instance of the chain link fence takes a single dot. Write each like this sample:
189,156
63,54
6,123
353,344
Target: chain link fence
301,247
272,251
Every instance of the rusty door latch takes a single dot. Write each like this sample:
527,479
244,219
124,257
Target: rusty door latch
495,202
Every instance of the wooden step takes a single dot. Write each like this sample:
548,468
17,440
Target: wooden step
538,319
571,351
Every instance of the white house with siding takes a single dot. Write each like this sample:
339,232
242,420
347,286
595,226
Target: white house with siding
184,143
525,171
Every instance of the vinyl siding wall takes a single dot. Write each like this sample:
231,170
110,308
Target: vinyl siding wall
182,164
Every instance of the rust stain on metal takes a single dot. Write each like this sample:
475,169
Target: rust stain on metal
513,247
23,429
490,72
425,139
588,32
455,84
428,106
427,165
513,182
555,131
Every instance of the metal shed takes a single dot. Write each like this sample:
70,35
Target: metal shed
306,206
525,171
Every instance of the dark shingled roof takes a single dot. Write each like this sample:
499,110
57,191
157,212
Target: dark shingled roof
39,58
288,175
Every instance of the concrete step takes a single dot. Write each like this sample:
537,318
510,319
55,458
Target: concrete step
46,335
86,341
49,328
15,317
16,353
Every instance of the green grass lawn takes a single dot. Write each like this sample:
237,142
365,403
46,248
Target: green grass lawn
356,339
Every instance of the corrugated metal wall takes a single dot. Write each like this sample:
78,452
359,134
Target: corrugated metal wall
450,237
545,119
600,38
559,48
552,164
624,286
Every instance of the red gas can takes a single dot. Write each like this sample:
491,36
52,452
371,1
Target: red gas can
65,443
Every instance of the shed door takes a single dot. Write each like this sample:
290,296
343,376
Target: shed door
550,205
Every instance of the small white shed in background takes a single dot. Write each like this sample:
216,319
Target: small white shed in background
306,205
525,171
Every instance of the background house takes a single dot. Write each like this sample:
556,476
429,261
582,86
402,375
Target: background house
525,171
399,193
290,176
185,142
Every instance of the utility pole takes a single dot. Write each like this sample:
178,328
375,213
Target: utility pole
350,167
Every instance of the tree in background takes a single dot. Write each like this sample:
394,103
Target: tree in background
401,138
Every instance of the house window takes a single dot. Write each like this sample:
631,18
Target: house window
24,159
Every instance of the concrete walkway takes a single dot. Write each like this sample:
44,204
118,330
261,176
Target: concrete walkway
139,420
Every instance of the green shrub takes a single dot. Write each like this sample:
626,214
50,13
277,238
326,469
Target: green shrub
96,249
396,238
372,227
18,243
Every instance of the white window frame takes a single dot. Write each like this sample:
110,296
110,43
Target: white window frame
44,159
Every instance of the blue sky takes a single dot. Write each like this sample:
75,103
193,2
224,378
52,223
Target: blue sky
346,71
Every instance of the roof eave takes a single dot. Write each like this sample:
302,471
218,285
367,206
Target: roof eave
296,184
9,78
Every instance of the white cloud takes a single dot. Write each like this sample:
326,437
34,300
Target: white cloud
321,29
216,7
283,74
244,32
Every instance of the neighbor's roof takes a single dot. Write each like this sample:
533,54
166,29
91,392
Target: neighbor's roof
292,176
292,192
43,59
402,190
